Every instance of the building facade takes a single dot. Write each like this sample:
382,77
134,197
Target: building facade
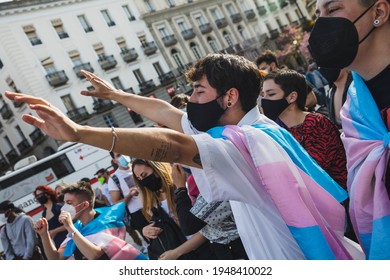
140,46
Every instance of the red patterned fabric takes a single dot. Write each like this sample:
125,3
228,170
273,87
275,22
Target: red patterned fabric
321,139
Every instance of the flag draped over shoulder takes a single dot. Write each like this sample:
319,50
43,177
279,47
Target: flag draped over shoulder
108,232
366,140
310,207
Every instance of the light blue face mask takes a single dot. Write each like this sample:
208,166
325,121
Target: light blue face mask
124,161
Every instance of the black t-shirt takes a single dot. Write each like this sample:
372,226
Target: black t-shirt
379,87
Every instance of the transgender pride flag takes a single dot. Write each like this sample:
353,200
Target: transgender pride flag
366,142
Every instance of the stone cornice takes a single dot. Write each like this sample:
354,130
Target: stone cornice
18,7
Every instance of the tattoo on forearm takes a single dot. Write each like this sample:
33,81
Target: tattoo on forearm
197,160
160,154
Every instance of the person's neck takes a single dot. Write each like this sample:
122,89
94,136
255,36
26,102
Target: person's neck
49,204
123,168
369,65
233,117
292,116
342,79
87,216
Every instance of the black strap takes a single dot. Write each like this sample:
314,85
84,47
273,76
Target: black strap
9,241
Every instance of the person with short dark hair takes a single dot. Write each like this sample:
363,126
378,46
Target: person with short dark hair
267,61
180,101
93,234
17,235
284,102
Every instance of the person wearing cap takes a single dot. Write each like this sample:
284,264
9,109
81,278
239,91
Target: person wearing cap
17,235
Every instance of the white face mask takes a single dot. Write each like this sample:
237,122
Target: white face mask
3,218
70,209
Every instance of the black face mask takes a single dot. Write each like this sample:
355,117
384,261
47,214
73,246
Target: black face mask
334,41
204,116
151,182
273,108
330,74
41,198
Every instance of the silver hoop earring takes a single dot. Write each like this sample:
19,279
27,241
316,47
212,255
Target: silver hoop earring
376,22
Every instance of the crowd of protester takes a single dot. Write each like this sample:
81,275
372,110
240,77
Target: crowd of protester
249,166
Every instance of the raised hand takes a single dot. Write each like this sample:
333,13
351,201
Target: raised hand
51,120
103,89
41,226
179,176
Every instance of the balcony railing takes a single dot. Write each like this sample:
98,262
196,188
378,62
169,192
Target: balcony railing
36,136
107,62
272,6
283,3
236,18
4,165
188,34
6,112
35,41
261,10
169,40
24,147
129,55
57,78
18,104
78,114
221,23
274,33
205,28
101,105
85,66
12,156
149,48
129,90
146,86
63,35
250,14
166,78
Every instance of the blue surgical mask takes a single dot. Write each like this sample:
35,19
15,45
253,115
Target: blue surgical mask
124,161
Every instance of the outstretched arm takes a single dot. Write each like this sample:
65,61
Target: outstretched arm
154,109
156,144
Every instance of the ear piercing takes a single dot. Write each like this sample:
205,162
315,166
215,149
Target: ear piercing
376,22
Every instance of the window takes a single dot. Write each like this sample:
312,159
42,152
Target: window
177,58
1,64
57,24
99,49
182,25
228,38
85,24
6,140
12,85
68,102
138,75
75,57
158,68
48,64
200,19
149,6
163,31
143,41
122,44
212,44
20,132
195,50
288,18
216,14
107,18
117,83
32,35
171,3
231,9
135,117
128,12
110,121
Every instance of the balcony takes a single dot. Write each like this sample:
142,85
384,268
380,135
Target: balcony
250,14
129,90
35,41
236,18
129,55
205,28
272,6
261,10
188,34
184,68
85,66
88,29
63,35
78,114
146,86
107,62
17,104
166,78
57,78
283,3
101,105
24,147
12,156
6,112
149,48
36,136
4,165
221,23
274,33
169,40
